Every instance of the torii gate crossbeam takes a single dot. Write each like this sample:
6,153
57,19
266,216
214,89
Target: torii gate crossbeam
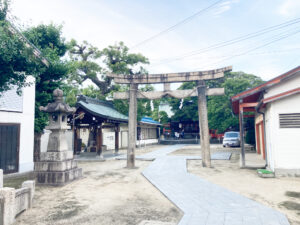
201,91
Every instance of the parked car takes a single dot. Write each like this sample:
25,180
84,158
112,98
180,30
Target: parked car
231,139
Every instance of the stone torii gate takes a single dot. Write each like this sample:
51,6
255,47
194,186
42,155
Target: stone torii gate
201,91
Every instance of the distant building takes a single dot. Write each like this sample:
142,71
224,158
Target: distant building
276,107
148,131
17,129
164,106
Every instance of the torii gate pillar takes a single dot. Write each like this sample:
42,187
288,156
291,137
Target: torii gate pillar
132,123
203,124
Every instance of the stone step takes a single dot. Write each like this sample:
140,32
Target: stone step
88,154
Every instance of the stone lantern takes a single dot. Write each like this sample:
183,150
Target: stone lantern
57,165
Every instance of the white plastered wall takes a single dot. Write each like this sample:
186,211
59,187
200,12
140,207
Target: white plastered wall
283,143
26,121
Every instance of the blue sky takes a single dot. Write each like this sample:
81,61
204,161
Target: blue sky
103,23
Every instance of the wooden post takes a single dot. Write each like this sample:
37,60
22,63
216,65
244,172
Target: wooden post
74,139
132,125
203,124
241,118
99,139
117,130
77,147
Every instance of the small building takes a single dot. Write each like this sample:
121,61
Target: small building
101,127
148,131
17,129
275,105
92,121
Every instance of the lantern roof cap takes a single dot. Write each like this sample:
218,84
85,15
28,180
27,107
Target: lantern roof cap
59,106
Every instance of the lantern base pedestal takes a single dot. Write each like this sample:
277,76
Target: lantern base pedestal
57,169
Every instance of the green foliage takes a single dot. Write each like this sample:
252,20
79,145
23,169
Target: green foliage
4,7
16,60
143,105
84,65
92,92
220,116
119,61
86,61
219,110
71,93
49,40
189,106
163,116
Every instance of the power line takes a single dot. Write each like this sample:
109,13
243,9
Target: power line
260,46
28,44
235,40
177,24
284,51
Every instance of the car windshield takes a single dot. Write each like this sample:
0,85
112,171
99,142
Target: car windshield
231,135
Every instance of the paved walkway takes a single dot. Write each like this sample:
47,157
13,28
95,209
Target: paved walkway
202,202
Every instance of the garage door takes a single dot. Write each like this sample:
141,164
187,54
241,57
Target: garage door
9,147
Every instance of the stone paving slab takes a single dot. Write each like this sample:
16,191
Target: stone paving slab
166,150
203,202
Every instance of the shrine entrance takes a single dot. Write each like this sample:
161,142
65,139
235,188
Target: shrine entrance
201,91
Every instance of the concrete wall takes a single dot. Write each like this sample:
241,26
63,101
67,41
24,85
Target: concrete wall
26,121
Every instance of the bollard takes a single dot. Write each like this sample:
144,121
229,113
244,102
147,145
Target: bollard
31,185
8,210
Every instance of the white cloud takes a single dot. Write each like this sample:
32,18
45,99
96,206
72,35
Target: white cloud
225,6
101,24
289,8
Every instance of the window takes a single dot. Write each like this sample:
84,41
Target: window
231,134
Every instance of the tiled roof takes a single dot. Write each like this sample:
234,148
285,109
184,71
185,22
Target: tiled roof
11,101
149,120
100,108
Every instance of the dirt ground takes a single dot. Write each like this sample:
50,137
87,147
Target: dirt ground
281,193
109,194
